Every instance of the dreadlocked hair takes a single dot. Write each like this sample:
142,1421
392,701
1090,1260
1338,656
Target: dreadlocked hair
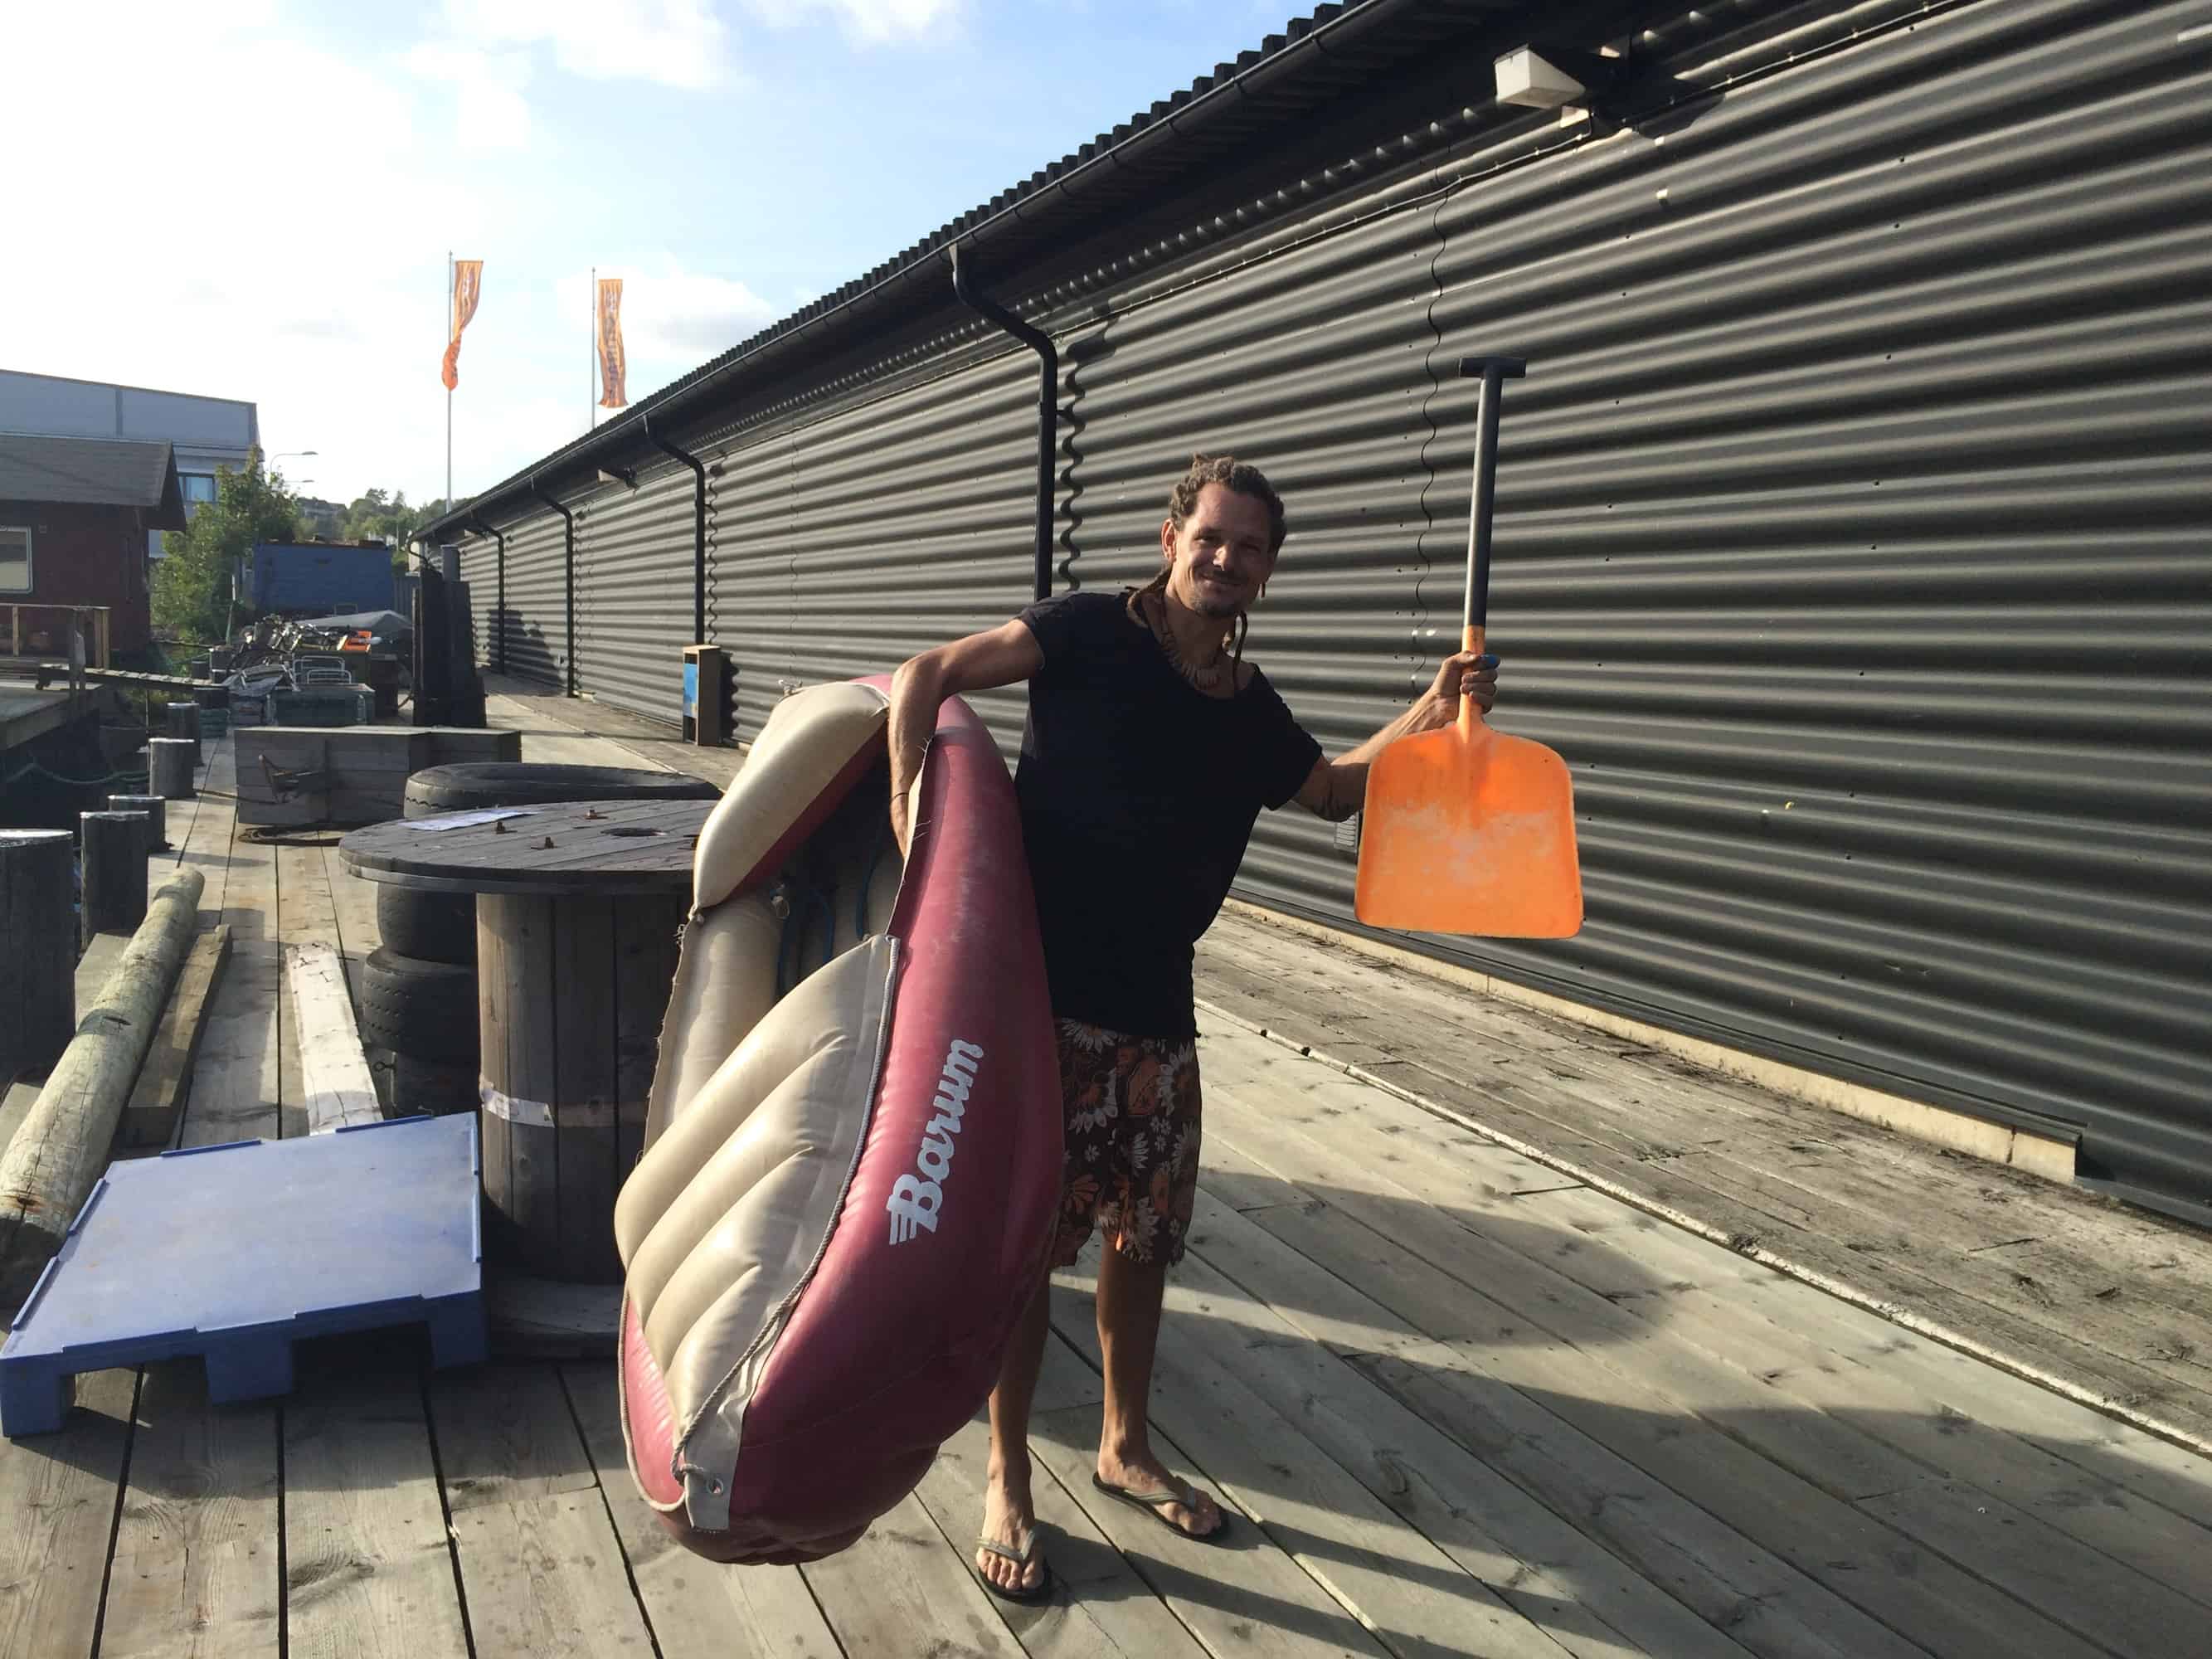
1232,637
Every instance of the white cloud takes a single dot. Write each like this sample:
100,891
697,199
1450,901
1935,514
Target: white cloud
674,43
489,110
182,227
871,23
257,214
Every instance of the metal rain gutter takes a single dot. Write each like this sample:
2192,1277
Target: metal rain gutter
1344,30
569,576
1048,406
698,526
499,634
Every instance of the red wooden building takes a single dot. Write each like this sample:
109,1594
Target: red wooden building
74,514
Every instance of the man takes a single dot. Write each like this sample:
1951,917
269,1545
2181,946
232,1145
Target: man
1151,745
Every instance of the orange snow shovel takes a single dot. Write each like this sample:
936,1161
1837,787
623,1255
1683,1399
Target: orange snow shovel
1467,830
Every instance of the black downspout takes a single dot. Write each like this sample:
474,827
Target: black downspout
698,527
568,575
499,637
1047,408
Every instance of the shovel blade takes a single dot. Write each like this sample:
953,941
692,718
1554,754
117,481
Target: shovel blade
1470,832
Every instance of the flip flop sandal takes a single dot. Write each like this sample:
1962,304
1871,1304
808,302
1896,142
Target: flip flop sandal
1152,1502
1025,1597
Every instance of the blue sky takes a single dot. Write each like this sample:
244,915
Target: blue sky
254,199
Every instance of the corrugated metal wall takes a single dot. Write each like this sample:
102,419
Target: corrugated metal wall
888,524
634,593
536,621
1852,533
480,570
1852,529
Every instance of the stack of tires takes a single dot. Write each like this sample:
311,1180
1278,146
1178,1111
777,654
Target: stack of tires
418,992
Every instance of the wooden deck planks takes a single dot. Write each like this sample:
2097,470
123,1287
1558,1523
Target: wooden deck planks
545,1580
235,1078
2087,1349
58,1494
1383,1571
195,1567
153,1114
696,1609
1651,1266
1756,1320
505,1434
1242,1596
369,1573
1781,1475
205,844
544,1571
1102,1610
1585,1596
902,1591
552,724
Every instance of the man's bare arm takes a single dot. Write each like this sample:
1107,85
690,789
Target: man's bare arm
1336,789
1000,656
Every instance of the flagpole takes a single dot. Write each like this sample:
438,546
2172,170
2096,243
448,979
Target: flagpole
449,391
591,380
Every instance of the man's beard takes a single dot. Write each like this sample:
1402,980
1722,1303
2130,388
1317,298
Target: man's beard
1210,601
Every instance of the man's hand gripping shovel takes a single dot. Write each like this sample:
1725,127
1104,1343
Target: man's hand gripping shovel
1467,830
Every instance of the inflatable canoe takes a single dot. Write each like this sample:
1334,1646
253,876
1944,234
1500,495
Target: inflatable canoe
852,1151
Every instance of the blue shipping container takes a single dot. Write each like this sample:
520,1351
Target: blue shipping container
320,579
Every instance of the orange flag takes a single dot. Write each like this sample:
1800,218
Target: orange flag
612,364
468,283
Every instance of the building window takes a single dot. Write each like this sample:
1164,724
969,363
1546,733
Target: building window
198,487
15,558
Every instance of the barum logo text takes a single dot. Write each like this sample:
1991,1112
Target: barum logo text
917,1200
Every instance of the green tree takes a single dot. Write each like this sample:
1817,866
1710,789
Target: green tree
192,586
376,516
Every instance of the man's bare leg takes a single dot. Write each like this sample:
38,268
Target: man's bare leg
1129,1294
1009,1514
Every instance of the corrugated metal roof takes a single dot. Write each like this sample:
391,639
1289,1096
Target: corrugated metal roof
1315,60
92,471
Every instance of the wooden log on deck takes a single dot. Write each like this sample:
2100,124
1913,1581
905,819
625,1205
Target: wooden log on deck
169,762
57,1152
114,848
38,1001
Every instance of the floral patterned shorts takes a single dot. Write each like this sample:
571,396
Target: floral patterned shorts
1132,1132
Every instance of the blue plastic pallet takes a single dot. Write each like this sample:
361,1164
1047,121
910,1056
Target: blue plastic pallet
235,1252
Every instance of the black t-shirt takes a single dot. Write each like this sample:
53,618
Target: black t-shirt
1138,793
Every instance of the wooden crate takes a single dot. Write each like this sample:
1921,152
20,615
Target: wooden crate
340,775
453,745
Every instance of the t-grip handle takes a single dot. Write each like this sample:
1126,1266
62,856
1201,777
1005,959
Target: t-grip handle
1493,372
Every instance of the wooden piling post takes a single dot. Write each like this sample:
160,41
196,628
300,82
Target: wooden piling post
157,813
169,763
184,722
113,848
38,962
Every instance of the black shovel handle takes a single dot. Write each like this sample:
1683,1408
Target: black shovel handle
1493,372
